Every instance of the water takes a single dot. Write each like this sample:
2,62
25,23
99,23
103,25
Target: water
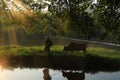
58,68
103,76
37,74
29,74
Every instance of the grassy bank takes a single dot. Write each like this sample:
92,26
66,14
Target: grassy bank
57,51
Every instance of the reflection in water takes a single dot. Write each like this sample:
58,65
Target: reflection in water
74,75
21,74
47,68
2,76
46,74
37,74
103,76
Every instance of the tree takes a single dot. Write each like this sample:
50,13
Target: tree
79,20
108,15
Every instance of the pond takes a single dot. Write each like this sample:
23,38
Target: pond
58,68
37,74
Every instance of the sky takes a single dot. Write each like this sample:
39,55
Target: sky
94,1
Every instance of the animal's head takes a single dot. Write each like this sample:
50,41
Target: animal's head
65,48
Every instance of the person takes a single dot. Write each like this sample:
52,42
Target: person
46,74
48,44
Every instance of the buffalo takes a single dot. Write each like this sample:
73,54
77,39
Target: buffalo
76,47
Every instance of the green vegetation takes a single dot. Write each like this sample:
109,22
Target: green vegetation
57,51
20,50
82,18
102,52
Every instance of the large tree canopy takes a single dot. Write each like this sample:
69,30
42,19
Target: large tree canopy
79,19
82,17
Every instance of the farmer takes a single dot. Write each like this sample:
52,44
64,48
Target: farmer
48,44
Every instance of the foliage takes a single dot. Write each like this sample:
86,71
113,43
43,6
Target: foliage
79,20
64,17
108,15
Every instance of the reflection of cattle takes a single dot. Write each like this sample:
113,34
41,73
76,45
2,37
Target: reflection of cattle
74,75
75,47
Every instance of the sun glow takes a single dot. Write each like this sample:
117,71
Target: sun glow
15,5
15,14
2,75
16,10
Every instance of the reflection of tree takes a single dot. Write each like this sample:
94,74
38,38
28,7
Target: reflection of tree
46,74
74,75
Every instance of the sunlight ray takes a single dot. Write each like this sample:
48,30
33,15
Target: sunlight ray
12,37
15,12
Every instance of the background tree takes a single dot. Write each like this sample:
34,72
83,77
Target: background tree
64,17
80,21
108,15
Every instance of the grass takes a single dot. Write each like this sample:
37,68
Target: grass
103,52
57,51
21,50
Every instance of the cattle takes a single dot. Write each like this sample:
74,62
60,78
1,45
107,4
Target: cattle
76,47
